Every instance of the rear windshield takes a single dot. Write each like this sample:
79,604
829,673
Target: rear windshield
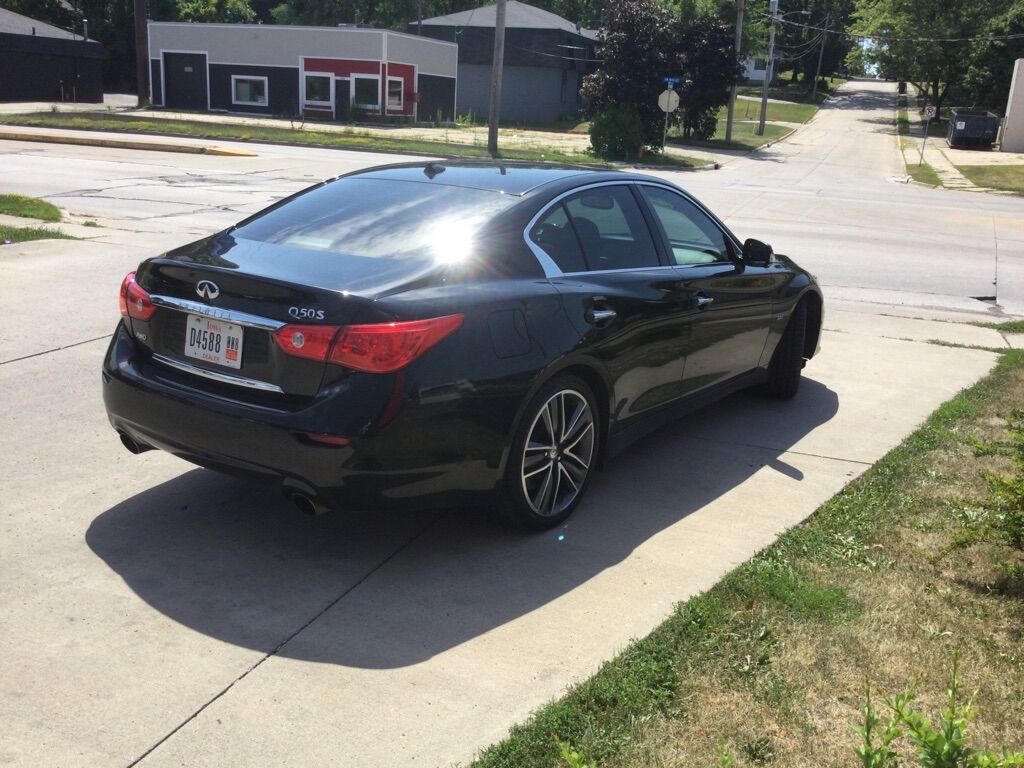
381,218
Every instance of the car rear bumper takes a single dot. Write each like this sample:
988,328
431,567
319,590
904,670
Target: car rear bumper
376,470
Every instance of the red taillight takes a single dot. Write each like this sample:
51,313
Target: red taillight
310,341
377,348
135,302
336,440
387,347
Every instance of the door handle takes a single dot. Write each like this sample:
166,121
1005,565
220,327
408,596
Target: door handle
703,302
600,315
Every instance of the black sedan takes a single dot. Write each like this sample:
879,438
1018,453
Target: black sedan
438,334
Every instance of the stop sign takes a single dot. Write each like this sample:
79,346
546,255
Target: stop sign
668,100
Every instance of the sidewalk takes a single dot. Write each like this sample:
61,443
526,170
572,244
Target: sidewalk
944,159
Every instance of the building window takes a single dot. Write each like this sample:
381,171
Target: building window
249,91
396,99
318,89
760,65
366,91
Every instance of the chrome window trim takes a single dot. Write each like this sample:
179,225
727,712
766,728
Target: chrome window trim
228,315
224,378
552,270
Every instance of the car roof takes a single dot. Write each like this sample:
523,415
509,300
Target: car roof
512,178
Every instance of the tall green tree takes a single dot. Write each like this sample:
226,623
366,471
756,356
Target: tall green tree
987,81
927,42
637,48
709,67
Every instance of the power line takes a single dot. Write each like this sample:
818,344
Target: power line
983,38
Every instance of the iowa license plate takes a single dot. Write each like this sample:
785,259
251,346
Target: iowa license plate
213,341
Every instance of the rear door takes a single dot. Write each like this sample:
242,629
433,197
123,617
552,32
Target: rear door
185,81
733,300
626,300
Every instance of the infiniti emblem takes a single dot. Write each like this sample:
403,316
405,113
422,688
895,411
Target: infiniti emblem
207,289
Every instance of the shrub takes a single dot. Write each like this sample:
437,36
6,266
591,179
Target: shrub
617,133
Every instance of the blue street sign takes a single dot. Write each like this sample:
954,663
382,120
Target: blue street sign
670,81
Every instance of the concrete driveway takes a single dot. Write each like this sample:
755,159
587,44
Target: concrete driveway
158,614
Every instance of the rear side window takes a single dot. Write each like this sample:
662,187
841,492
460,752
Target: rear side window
378,218
611,229
693,238
555,235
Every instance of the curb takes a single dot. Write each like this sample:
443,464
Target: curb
150,146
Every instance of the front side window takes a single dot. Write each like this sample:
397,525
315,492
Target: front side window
249,90
366,91
693,237
318,89
395,100
611,229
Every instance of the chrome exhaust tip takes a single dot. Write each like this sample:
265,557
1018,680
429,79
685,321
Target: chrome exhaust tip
132,444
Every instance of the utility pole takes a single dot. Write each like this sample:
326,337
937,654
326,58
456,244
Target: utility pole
419,17
740,7
496,72
769,72
141,52
821,55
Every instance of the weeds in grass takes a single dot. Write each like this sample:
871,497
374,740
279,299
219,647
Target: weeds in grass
944,745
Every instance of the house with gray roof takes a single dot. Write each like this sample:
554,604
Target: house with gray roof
41,62
546,58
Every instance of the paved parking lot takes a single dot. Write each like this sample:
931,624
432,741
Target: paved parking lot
159,614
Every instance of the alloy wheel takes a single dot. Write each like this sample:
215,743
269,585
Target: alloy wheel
558,453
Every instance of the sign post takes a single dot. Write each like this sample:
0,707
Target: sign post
929,113
668,101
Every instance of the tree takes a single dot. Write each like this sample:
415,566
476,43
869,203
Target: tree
227,11
987,81
927,42
709,67
637,49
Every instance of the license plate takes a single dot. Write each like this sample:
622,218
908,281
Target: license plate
213,341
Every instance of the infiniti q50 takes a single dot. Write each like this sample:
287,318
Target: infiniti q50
441,333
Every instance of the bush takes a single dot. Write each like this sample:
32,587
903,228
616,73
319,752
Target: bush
617,133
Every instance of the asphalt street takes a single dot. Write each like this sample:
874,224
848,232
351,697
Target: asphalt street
158,614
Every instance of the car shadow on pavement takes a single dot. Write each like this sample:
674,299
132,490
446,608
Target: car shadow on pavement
231,559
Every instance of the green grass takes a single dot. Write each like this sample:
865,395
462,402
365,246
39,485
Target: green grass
352,139
1006,177
787,91
29,208
923,173
1010,326
743,136
24,234
789,112
882,583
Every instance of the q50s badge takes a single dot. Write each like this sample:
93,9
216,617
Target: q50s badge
301,313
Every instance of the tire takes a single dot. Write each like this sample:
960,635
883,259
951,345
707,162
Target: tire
547,473
788,361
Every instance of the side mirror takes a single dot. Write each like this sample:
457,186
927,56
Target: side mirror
756,253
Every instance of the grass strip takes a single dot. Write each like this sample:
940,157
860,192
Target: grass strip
29,208
1006,177
10,235
884,582
352,139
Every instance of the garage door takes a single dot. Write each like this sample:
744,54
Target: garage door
185,81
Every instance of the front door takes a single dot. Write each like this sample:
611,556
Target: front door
185,81
342,100
627,302
733,300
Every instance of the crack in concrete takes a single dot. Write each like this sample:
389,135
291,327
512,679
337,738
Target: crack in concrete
274,651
